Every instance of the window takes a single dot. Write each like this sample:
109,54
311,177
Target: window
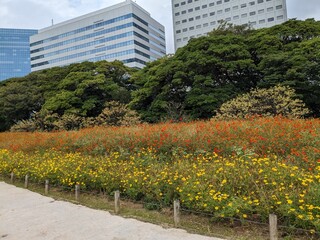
252,13
219,11
212,13
198,17
261,11
185,29
176,5
270,19
235,7
279,7
262,21
183,3
198,26
178,31
236,17
204,6
177,14
213,23
178,22
184,20
251,3
190,10
191,28
205,24
280,17
227,10
244,15
243,5
270,9
184,12
228,19
211,4
197,8
191,19
204,15
260,1
219,2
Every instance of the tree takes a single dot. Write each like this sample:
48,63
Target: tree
278,100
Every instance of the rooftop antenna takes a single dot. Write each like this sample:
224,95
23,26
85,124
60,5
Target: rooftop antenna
51,22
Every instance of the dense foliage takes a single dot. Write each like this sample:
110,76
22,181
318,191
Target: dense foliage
244,168
80,90
213,69
278,100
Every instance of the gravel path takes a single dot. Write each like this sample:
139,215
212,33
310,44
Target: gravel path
28,215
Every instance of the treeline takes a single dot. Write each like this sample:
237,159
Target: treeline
192,84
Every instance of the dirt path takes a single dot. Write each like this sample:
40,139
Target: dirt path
28,215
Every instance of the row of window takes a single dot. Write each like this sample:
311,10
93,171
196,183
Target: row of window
92,35
252,3
90,27
251,23
90,52
228,9
100,58
100,33
253,13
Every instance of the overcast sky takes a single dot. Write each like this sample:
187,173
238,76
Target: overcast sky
37,14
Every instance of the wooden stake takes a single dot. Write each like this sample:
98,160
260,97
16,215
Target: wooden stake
117,202
46,187
77,192
26,181
176,213
273,227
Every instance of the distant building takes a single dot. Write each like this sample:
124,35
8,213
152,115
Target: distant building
195,18
14,52
124,32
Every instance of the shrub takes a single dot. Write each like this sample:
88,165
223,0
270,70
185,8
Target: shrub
69,122
117,114
278,100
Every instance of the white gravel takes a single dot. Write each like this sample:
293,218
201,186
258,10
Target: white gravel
28,215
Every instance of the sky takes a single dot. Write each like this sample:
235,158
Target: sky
37,14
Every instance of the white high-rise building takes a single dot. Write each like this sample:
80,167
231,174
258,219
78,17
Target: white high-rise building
194,18
124,32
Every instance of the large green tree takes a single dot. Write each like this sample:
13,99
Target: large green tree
81,89
231,60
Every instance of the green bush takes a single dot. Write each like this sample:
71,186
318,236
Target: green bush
278,100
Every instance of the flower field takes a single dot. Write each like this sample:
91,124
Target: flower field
244,169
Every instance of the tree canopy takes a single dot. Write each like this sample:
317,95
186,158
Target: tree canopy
231,60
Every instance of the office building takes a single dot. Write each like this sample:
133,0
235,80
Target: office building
124,32
195,18
14,52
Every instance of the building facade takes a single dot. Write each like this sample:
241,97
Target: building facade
195,18
124,32
15,52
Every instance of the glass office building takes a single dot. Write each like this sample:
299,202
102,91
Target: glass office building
195,18
15,52
124,32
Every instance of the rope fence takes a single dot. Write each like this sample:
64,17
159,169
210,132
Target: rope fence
178,211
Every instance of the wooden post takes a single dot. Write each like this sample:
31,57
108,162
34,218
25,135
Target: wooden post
12,177
77,192
26,181
176,213
273,228
117,202
46,187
